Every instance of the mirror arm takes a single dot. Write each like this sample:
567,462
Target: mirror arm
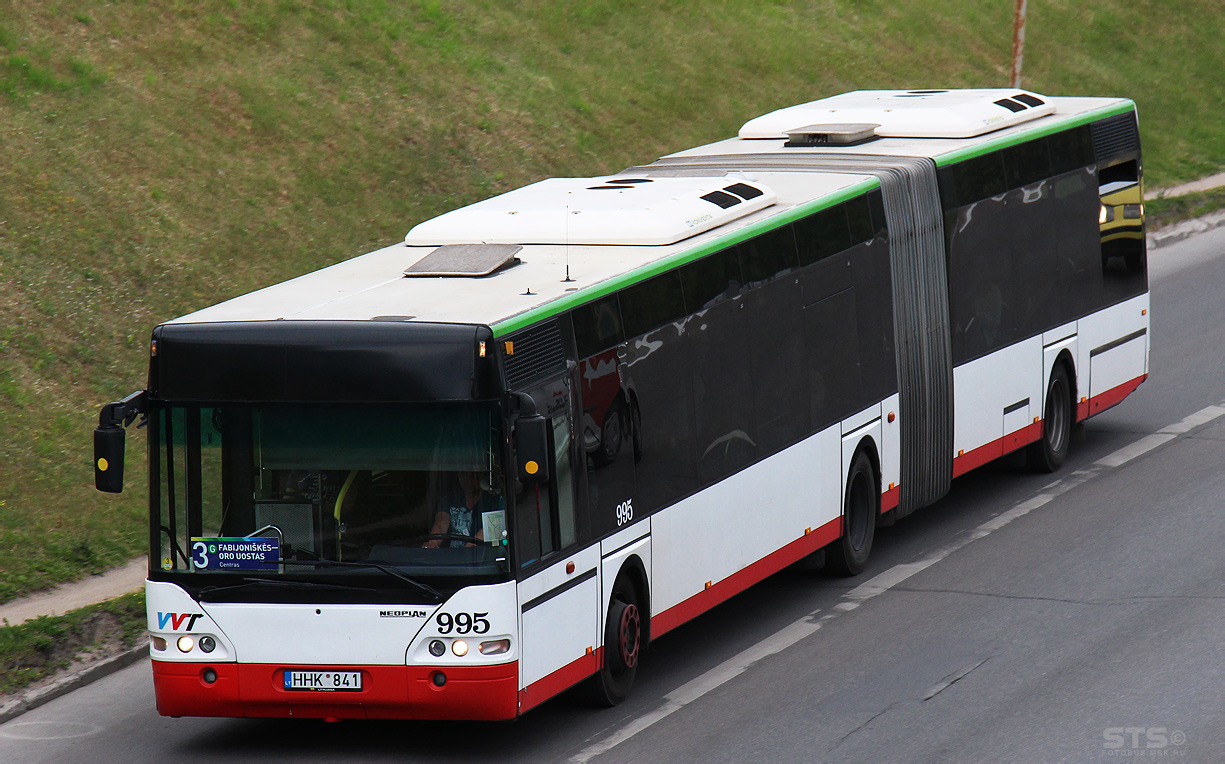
124,412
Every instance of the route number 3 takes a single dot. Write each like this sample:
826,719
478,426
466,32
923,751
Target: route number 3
625,512
199,554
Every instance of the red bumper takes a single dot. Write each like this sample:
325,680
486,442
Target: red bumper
388,692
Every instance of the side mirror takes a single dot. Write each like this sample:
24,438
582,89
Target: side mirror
108,441
532,449
108,458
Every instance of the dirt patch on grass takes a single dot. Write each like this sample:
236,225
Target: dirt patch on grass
39,650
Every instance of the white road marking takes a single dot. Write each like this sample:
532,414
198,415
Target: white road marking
881,583
1201,417
1139,448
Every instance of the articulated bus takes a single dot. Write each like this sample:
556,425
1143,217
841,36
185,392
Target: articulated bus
456,476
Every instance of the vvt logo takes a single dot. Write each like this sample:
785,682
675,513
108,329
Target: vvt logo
176,620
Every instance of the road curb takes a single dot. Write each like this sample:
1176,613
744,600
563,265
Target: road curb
62,685
1185,229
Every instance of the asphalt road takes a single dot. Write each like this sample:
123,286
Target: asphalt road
1079,616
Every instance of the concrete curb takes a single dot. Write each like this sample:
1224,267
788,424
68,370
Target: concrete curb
66,683
1186,229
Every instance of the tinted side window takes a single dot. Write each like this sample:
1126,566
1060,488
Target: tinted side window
597,326
1027,163
859,218
876,205
710,279
1070,150
978,178
822,234
767,255
652,303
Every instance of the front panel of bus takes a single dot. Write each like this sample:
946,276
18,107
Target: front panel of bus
330,533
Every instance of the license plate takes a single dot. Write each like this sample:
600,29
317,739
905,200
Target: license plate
324,681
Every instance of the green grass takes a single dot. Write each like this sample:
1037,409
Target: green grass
41,647
161,157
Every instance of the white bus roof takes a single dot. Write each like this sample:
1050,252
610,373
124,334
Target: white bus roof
572,242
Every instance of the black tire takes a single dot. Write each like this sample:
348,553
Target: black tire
622,646
849,554
1049,453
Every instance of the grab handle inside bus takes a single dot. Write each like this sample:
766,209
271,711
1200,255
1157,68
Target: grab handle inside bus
109,441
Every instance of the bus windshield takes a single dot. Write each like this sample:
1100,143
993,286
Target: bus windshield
396,494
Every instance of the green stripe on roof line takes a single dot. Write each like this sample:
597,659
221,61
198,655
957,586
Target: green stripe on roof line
561,304
1039,131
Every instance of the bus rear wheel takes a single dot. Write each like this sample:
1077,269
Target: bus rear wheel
622,646
849,554
1048,454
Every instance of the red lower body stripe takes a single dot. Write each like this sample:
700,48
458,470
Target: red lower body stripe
388,692
563,679
744,578
890,498
1108,399
1031,433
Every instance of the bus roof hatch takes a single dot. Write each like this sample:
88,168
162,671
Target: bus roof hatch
909,113
625,210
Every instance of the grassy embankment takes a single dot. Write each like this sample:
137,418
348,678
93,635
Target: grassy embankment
160,157
42,647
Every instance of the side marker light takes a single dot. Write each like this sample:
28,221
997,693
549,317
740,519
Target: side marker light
499,646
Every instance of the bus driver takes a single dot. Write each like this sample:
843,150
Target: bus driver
459,513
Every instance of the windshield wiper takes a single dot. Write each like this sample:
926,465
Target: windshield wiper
420,585
252,581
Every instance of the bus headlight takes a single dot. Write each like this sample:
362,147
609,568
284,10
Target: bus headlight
459,647
185,644
437,648
208,644
159,643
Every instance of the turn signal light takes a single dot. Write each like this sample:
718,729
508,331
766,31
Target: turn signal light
495,647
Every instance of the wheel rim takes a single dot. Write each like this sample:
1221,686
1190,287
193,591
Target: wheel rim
1057,415
628,631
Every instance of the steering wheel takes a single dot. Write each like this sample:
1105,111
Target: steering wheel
457,536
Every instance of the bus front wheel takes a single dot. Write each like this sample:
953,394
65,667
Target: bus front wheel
849,554
622,646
